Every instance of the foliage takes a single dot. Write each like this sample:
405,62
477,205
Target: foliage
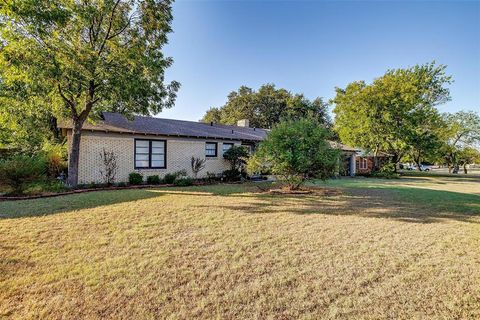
154,179
135,178
297,150
55,157
237,156
394,111
109,170
232,175
20,170
81,58
467,156
266,107
197,166
183,182
171,177
387,171
461,130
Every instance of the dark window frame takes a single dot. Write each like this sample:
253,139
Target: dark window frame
231,144
150,154
216,149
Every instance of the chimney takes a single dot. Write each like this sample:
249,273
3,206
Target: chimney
243,123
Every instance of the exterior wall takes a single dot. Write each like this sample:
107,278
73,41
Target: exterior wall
179,153
369,169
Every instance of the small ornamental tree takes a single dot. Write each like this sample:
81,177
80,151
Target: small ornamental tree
197,166
296,151
109,168
237,156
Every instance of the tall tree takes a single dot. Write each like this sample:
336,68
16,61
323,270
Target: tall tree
461,130
393,111
267,107
89,56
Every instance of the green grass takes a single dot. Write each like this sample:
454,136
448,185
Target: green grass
376,249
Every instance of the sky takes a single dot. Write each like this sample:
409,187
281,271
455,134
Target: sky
311,47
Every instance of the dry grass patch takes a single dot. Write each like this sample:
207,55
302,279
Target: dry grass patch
232,252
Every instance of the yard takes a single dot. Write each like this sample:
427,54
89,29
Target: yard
368,248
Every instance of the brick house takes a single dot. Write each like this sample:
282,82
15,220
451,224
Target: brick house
159,146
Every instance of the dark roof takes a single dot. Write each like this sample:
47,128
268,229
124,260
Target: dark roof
115,122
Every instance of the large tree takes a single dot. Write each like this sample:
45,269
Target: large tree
461,130
267,107
393,111
88,56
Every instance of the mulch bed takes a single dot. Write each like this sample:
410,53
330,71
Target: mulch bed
305,191
57,194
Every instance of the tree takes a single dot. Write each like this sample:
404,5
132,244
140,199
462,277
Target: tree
266,107
296,150
109,169
89,57
393,111
197,165
461,130
237,156
466,156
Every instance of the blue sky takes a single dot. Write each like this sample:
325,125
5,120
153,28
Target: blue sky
311,47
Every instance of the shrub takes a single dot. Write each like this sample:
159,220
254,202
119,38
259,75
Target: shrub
237,156
387,171
155,179
20,170
296,150
121,184
55,156
232,175
171,177
183,182
197,166
211,177
109,170
135,178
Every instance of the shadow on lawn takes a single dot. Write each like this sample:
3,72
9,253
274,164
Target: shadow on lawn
403,204
47,206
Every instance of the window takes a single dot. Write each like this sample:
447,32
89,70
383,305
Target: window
150,154
363,163
226,146
211,149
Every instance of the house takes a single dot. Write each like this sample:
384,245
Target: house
155,146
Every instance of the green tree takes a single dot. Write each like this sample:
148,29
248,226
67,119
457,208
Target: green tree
237,156
466,156
267,107
461,130
393,111
296,150
84,57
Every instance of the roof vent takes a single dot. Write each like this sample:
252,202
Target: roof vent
243,123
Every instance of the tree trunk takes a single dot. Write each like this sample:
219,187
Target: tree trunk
74,154
375,160
465,168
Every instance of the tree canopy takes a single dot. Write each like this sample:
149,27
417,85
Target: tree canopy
84,57
395,113
296,150
267,107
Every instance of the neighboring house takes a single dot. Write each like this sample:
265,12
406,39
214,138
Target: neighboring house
364,161
155,146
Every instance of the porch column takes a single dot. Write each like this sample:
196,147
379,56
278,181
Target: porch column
353,167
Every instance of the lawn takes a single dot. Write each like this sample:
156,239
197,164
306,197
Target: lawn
375,249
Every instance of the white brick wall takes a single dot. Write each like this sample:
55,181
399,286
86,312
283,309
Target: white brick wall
179,154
